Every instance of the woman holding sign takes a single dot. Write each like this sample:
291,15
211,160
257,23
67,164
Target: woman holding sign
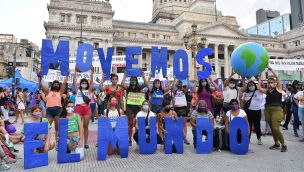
83,102
53,100
135,98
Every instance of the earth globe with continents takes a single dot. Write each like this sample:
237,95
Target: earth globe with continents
249,59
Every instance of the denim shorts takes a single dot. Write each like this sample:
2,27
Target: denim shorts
52,112
156,108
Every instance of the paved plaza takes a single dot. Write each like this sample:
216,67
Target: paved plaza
259,159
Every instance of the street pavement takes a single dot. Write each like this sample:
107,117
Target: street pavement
259,158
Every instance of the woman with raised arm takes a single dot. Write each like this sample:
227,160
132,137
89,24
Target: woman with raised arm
132,110
82,102
273,109
53,100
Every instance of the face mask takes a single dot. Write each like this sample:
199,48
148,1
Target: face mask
84,86
133,83
56,88
204,84
289,89
251,88
70,110
202,110
167,109
299,87
36,115
113,103
145,108
235,107
231,85
270,86
179,86
114,82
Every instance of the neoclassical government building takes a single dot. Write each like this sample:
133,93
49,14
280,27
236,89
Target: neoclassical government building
176,24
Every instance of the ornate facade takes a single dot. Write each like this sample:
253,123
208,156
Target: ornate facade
91,21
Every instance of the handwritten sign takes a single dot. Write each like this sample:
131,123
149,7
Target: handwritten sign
135,98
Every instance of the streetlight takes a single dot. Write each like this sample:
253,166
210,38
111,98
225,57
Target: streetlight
194,45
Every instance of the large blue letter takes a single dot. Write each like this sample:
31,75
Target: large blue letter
106,63
62,155
32,160
180,54
200,59
235,125
106,136
82,48
175,134
144,147
61,56
204,124
130,60
159,61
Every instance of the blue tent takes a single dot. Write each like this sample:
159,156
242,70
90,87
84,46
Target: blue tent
23,83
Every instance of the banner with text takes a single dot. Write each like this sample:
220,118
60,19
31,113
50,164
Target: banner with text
287,65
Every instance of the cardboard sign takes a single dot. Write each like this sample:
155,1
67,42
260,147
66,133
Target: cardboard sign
135,98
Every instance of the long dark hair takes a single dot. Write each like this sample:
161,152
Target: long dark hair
154,88
200,86
84,80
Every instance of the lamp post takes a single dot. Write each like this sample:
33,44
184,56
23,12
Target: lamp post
194,45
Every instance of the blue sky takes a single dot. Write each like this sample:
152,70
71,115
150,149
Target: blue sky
24,18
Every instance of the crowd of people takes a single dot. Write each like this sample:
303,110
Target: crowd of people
250,98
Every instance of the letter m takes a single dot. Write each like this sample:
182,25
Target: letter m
59,57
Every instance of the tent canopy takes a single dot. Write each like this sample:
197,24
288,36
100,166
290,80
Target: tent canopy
23,83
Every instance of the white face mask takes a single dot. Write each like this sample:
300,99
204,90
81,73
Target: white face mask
84,86
231,85
70,110
145,108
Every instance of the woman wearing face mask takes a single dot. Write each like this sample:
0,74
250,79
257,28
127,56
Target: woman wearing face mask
132,110
157,96
180,104
147,114
111,90
53,100
273,109
93,97
204,92
288,105
75,129
202,111
168,112
297,87
113,112
252,104
82,102
36,116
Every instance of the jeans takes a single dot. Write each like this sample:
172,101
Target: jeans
93,107
254,118
274,116
301,115
295,117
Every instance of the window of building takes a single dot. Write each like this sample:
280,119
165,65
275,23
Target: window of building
119,53
284,45
81,18
62,17
96,45
153,35
69,18
144,56
297,43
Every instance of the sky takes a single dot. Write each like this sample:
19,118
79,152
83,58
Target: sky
24,18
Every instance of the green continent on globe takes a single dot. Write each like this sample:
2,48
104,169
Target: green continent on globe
249,56
264,60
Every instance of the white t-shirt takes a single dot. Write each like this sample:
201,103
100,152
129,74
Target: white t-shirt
180,99
256,101
300,96
263,101
112,115
144,114
230,94
79,99
242,114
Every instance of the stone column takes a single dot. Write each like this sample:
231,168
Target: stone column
216,63
227,64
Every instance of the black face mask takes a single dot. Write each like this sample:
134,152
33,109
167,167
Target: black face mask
167,109
55,88
289,88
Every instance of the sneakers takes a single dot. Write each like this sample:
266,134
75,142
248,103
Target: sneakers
4,166
302,140
296,134
9,160
130,142
260,142
186,142
284,148
86,146
275,146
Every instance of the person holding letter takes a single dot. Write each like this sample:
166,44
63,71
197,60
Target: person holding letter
53,99
83,102
133,109
273,109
